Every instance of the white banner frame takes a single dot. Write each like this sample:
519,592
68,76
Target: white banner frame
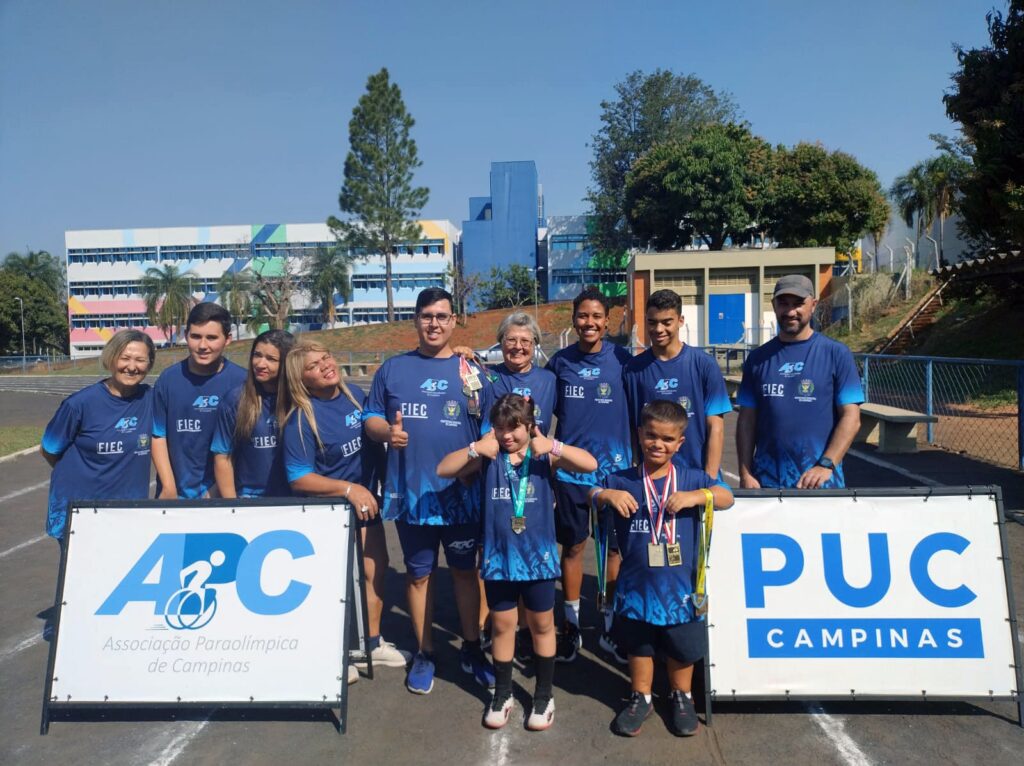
345,549
992,494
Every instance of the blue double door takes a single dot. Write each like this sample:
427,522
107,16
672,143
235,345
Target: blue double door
726,316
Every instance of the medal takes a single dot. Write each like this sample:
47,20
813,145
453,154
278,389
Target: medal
675,555
472,382
473,405
655,555
518,493
518,524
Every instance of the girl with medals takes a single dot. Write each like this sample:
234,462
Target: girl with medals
520,554
663,515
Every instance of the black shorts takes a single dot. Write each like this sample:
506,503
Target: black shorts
572,515
685,643
537,595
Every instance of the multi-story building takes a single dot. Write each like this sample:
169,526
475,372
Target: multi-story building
105,270
571,265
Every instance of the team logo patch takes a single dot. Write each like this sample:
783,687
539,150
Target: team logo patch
452,408
806,387
522,391
124,425
530,490
352,420
432,385
604,389
143,441
791,368
684,402
206,402
590,373
667,384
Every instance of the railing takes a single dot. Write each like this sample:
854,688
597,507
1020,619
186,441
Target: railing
977,401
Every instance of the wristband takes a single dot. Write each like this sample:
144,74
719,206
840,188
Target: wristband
473,454
556,448
348,489
593,498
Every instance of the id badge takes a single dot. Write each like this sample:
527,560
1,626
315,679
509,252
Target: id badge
675,555
518,524
655,555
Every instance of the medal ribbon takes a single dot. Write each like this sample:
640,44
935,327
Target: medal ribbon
700,596
518,497
656,508
600,533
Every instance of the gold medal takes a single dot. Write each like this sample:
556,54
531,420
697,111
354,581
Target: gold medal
518,524
675,555
655,555
700,605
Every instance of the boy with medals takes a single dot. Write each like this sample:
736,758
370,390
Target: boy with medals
519,550
663,541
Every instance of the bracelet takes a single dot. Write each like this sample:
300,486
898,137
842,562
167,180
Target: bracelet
349,489
593,498
556,448
473,454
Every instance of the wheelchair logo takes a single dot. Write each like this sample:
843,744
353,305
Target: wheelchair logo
194,605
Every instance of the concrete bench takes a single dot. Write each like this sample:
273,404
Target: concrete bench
732,385
890,428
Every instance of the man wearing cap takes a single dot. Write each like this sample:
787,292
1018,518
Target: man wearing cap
799,400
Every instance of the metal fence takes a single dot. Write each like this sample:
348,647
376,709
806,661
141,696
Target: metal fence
977,401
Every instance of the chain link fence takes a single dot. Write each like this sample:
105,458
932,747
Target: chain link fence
977,401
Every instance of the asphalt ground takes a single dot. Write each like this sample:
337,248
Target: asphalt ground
389,725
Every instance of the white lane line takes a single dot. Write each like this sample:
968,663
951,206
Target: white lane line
19,546
892,467
26,642
23,491
500,744
730,475
179,741
835,730
22,453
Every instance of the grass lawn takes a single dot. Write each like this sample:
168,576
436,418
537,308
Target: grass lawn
18,438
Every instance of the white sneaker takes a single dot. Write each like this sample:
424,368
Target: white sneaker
353,674
498,712
541,719
385,655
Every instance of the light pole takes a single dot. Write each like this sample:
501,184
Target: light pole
536,294
21,308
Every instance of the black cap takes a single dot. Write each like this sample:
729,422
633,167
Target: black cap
794,284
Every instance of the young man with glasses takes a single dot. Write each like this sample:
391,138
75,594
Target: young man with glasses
421,405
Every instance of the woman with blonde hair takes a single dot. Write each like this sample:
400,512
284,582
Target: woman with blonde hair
247,458
325,455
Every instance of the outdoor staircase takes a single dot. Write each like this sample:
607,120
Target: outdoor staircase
920,318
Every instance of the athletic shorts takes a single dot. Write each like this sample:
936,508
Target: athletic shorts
685,643
537,595
420,543
572,515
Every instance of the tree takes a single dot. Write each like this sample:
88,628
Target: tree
462,286
379,168
987,99
38,265
167,294
648,109
46,316
235,288
709,187
328,271
821,198
913,197
275,285
510,288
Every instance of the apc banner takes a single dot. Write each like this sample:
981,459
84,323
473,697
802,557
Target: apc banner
203,602
878,593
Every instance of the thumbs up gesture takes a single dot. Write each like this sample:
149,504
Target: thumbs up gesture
398,439
539,443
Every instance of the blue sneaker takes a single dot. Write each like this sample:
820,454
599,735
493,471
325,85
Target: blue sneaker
476,663
421,675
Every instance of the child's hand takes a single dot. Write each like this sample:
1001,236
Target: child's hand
623,502
487,446
677,501
540,444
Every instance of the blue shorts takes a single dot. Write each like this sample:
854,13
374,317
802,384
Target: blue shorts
685,643
572,515
420,542
537,595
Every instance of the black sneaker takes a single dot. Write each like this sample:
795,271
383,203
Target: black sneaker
684,721
524,645
631,718
569,643
608,644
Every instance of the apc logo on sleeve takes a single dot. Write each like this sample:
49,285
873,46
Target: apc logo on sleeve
126,425
178,573
667,384
590,373
206,403
433,386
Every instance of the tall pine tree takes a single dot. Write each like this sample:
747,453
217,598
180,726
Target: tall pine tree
377,192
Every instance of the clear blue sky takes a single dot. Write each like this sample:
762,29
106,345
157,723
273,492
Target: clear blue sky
138,113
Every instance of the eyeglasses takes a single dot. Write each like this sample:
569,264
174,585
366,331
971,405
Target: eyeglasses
439,318
517,342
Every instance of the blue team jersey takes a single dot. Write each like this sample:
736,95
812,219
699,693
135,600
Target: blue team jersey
797,389
533,553
344,454
591,408
428,392
185,413
656,595
692,379
103,442
257,461
537,383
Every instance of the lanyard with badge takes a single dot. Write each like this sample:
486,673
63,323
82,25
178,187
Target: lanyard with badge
660,554
522,477
471,386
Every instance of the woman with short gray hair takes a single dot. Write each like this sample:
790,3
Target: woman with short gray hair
519,337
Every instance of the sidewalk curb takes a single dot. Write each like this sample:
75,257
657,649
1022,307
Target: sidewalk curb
14,455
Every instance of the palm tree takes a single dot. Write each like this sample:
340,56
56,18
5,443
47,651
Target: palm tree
914,197
235,288
944,174
40,266
168,296
328,270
